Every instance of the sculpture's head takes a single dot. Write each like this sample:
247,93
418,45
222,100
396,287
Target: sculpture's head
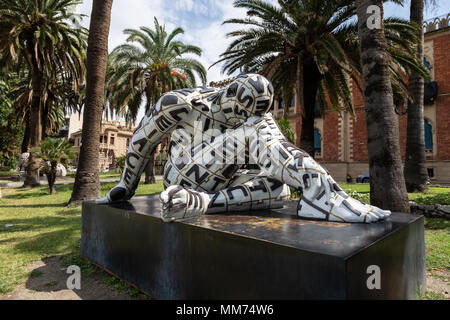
248,95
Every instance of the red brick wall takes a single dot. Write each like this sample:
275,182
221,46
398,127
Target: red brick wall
330,133
442,76
443,127
358,99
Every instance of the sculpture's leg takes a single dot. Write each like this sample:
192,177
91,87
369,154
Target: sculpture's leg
322,197
257,193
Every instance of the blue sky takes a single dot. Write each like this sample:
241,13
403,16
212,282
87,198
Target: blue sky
202,21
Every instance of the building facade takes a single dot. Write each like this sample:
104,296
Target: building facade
114,138
341,140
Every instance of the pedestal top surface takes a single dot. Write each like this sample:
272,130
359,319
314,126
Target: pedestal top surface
284,228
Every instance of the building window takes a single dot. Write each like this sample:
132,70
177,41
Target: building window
428,129
317,142
111,140
280,104
128,142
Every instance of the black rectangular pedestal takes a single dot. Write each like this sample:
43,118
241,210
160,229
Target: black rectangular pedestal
264,255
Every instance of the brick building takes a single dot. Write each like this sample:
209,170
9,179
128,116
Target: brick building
341,140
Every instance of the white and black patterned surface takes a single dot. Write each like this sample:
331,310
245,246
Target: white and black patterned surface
212,133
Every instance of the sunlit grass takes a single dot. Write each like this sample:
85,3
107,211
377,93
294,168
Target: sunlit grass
42,226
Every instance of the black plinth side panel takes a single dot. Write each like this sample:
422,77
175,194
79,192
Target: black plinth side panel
263,255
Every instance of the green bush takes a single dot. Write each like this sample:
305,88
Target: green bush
434,198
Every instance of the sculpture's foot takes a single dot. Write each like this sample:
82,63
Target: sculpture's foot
179,203
116,194
340,209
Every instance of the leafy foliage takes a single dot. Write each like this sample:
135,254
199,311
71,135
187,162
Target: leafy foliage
120,163
279,41
11,132
151,63
50,153
42,42
55,150
286,130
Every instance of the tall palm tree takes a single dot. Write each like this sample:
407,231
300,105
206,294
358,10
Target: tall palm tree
41,36
387,186
311,46
87,183
415,170
151,63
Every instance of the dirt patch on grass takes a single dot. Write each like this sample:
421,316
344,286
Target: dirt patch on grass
48,281
438,284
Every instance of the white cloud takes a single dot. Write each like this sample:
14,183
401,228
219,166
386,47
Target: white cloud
201,20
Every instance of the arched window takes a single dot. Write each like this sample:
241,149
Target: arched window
428,129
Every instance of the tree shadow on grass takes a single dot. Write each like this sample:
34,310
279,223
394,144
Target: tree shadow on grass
51,243
38,223
24,194
40,205
436,224
48,280
69,212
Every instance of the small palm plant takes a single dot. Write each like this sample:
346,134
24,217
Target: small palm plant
120,163
50,153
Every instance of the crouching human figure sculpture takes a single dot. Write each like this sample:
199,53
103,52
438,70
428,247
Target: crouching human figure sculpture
212,132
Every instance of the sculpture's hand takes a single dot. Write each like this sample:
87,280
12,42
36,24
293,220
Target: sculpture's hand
118,193
179,203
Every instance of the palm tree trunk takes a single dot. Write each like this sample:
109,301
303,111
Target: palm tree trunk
387,185
311,77
32,177
416,174
51,177
26,134
87,183
150,170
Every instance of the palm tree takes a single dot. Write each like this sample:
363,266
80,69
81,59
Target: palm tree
416,175
51,152
87,183
57,98
311,46
40,36
151,63
387,187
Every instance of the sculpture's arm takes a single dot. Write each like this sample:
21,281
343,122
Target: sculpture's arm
159,122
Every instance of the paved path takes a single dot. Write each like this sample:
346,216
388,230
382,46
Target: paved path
16,184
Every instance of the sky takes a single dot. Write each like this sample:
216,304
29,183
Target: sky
202,22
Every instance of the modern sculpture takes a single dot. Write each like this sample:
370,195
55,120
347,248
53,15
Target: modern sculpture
212,132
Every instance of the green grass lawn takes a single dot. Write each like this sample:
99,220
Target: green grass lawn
5,175
43,227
